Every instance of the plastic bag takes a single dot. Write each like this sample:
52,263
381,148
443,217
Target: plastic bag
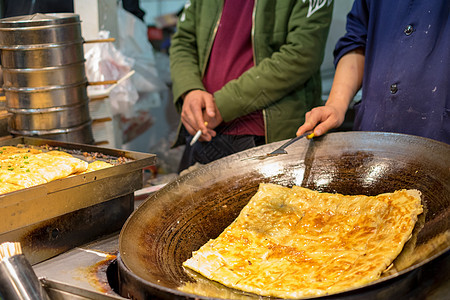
103,63
133,42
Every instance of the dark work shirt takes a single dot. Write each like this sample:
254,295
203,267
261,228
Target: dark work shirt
407,64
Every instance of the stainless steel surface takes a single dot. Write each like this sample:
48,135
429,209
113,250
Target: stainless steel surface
60,290
45,76
39,29
57,117
36,213
52,236
45,97
18,280
198,206
80,134
84,272
81,272
24,207
38,56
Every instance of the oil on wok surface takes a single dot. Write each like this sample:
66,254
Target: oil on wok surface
198,206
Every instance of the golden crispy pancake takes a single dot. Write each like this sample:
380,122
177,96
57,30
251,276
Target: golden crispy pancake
8,187
6,151
98,165
295,243
23,168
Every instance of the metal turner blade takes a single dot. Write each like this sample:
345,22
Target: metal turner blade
282,148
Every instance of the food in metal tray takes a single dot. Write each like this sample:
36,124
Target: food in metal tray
22,167
296,242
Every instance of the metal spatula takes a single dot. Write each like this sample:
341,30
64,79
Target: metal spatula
281,149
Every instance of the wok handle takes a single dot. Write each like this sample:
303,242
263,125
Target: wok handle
100,41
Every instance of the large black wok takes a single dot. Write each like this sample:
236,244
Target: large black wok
196,207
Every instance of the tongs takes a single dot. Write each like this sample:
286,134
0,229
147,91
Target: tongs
282,148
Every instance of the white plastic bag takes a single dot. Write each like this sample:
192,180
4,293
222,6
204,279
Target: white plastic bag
133,42
103,63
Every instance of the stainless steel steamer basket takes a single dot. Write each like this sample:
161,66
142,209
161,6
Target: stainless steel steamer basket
47,76
38,56
44,77
50,118
39,29
45,97
81,134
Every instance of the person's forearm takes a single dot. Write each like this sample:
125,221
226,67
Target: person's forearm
347,80
346,83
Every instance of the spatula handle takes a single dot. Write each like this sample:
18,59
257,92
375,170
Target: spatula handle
295,139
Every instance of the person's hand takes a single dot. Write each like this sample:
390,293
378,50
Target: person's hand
213,121
198,108
346,83
321,119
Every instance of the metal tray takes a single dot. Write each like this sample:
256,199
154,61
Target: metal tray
4,119
50,218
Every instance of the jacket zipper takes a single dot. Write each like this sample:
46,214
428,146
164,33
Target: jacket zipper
211,41
254,62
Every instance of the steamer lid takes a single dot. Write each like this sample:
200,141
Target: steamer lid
39,20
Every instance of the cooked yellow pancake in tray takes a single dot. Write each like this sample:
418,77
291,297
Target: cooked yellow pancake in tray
26,167
296,242
97,165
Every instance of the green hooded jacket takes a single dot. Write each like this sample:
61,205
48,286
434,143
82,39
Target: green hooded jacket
288,38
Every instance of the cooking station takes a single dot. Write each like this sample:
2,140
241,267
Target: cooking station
144,261
89,237
61,215
69,228
84,273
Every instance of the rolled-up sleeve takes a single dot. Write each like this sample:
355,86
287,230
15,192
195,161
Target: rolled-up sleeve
356,30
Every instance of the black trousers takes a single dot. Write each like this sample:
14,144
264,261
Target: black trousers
220,146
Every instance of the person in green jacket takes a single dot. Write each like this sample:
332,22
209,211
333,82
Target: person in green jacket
245,72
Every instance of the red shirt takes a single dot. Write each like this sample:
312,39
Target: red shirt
232,55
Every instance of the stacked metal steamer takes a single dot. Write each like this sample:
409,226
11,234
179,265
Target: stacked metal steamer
44,77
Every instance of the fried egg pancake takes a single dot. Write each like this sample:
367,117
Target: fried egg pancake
26,167
297,243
